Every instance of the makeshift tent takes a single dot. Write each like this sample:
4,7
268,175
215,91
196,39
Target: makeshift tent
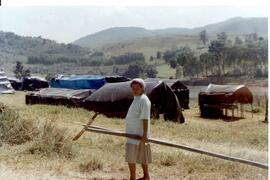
5,86
219,97
15,83
58,96
78,82
34,83
114,79
180,90
114,99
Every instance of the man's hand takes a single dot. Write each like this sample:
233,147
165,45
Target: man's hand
144,139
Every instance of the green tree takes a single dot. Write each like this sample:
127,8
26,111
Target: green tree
238,41
207,61
158,55
222,37
19,70
216,47
151,71
134,70
203,36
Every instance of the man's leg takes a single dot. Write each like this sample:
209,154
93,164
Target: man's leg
132,170
145,172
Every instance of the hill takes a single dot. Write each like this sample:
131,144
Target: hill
14,47
236,25
19,48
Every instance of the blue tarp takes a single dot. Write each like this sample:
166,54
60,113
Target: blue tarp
78,82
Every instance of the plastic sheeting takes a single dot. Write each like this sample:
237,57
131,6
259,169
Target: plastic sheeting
5,86
216,94
78,82
114,99
58,96
34,83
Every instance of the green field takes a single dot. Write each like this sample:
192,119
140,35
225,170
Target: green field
96,156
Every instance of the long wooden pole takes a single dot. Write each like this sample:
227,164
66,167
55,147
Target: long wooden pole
85,126
101,130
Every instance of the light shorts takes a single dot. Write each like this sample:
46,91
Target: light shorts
140,153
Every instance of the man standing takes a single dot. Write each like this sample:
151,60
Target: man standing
138,123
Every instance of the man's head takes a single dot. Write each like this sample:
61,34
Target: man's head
137,85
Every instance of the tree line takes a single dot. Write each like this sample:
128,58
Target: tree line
137,66
223,57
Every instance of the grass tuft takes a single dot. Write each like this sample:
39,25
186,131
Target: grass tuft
92,165
167,160
13,129
52,141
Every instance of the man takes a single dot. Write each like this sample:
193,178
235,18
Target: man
138,123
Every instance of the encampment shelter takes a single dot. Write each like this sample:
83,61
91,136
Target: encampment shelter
114,99
5,86
58,96
217,98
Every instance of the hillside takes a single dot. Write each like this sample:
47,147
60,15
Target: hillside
14,47
19,48
236,25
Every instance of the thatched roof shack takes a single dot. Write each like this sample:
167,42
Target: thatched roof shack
218,97
114,99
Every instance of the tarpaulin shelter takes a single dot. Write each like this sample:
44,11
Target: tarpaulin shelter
84,81
114,79
114,99
5,86
180,90
34,83
78,82
58,96
218,97
15,83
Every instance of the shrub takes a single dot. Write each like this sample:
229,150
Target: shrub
52,141
13,129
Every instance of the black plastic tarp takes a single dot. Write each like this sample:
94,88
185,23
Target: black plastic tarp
34,83
114,99
58,96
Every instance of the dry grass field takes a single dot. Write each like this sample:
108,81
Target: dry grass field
50,154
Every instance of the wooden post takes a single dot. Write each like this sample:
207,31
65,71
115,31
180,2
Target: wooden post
232,113
251,110
266,110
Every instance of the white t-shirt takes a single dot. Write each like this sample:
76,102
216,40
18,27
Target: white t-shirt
137,112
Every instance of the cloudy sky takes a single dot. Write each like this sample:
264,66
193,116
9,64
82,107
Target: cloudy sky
68,23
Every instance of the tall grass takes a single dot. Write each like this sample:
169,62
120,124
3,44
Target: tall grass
52,141
102,156
13,129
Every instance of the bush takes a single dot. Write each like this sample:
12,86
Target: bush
52,141
13,129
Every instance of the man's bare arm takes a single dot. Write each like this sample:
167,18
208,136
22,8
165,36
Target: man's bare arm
145,128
